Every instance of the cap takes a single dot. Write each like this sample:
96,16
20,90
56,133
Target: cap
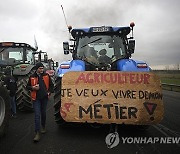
39,65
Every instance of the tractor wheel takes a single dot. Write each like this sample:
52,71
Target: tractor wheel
57,101
23,98
4,109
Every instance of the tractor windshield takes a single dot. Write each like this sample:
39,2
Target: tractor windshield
8,53
101,49
16,54
30,56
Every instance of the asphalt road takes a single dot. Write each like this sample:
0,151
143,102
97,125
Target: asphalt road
85,139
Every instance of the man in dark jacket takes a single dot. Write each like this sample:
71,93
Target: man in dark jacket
12,87
41,86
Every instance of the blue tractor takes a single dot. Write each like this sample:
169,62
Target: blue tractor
96,49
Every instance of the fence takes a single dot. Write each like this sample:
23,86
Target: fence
171,87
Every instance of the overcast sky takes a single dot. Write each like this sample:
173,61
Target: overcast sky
157,31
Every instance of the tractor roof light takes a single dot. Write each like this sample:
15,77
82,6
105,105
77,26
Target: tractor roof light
142,65
23,66
69,28
132,24
8,44
64,66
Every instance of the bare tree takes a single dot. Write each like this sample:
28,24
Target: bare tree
167,67
176,66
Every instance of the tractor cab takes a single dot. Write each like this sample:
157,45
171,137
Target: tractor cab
101,46
12,53
41,56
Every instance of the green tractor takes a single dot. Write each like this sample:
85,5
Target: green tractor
20,56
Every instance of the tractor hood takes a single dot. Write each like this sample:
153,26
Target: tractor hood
22,69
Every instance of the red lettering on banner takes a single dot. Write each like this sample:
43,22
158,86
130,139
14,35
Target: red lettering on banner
102,79
105,78
132,78
116,78
139,78
88,78
146,78
113,80
63,114
96,77
67,106
120,81
81,77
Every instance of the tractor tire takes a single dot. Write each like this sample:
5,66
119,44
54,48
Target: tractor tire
4,109
57,101
23,98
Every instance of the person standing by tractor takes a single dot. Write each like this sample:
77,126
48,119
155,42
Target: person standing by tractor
41,86
10,81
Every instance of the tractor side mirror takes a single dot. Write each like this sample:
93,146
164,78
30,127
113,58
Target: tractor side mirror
57,64
131,46
66,48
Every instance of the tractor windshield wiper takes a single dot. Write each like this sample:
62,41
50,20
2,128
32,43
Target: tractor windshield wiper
2,50
91,42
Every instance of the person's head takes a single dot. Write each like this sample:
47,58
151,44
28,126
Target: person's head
39,68
102,52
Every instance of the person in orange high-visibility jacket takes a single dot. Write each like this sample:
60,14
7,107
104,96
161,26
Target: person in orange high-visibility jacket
41,86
